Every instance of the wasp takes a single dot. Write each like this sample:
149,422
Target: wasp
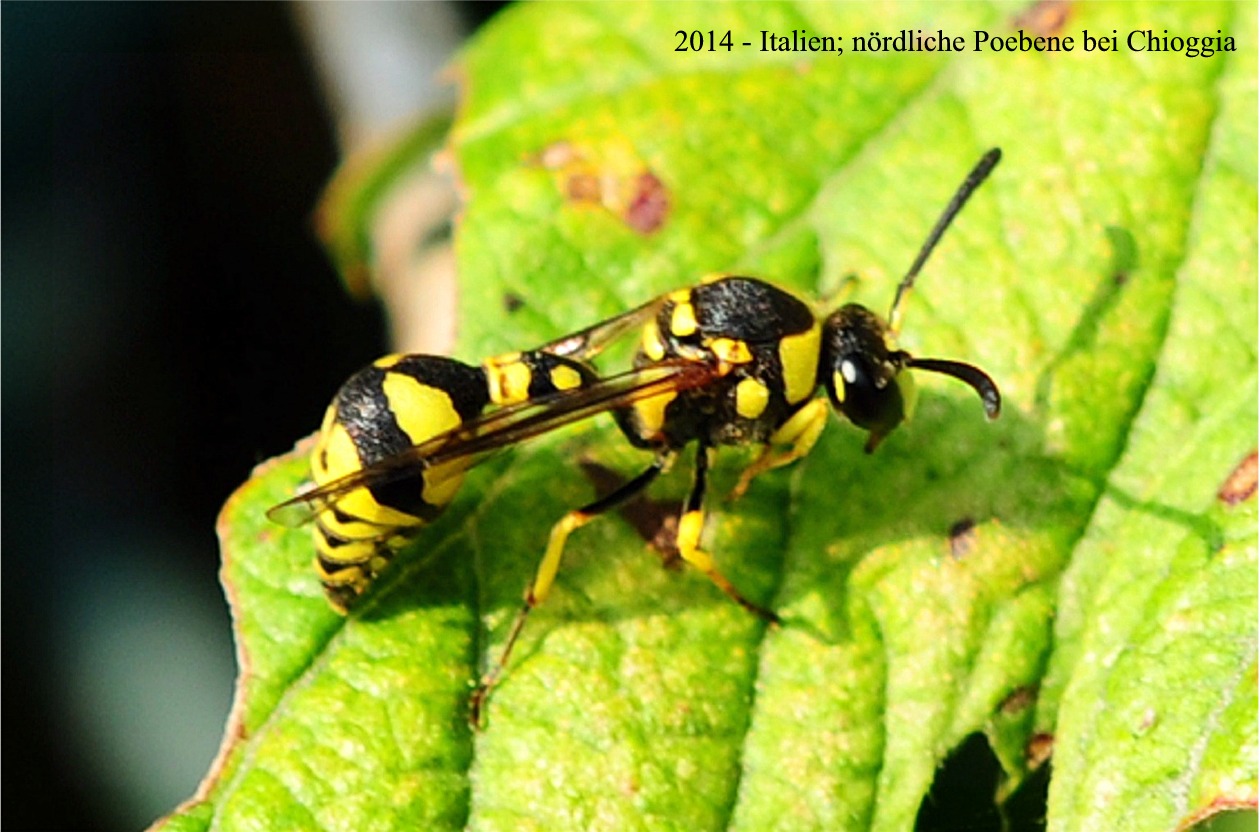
732,361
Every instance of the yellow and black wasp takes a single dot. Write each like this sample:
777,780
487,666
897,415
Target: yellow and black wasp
732,361
395,443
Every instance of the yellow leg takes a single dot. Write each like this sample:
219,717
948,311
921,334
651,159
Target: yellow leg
843,292
536,591
799,433
691,526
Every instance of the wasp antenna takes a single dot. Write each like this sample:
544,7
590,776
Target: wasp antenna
974,179
973,376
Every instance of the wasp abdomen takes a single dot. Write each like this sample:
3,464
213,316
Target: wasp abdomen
387,409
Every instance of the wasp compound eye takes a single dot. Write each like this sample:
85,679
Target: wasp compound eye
868,395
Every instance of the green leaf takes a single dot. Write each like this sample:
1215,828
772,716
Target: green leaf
1068,577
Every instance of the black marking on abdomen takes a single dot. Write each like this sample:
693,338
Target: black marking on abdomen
366,413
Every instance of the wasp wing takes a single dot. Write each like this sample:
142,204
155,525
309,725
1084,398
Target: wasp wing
587,343
476,439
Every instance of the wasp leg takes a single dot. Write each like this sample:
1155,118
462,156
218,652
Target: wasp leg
538,588
799,433
842,293
690,526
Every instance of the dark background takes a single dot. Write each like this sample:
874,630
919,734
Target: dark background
169,321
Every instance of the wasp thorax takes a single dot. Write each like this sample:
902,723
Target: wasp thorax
860,372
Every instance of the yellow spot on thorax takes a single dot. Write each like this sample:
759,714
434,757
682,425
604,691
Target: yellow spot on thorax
751,398
651,413
798,355
683,321
653,347
730,350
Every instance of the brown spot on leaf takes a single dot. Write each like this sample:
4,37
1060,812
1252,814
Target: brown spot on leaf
649,205
610,176
512,302
962,536
1019,699
1039,748
583,187
1044,18
1241,483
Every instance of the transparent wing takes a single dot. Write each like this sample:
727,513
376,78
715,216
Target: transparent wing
476,439
587,343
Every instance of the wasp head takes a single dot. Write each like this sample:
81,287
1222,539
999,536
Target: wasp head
863,373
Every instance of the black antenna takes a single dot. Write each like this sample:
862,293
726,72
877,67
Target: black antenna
975,377
974,179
